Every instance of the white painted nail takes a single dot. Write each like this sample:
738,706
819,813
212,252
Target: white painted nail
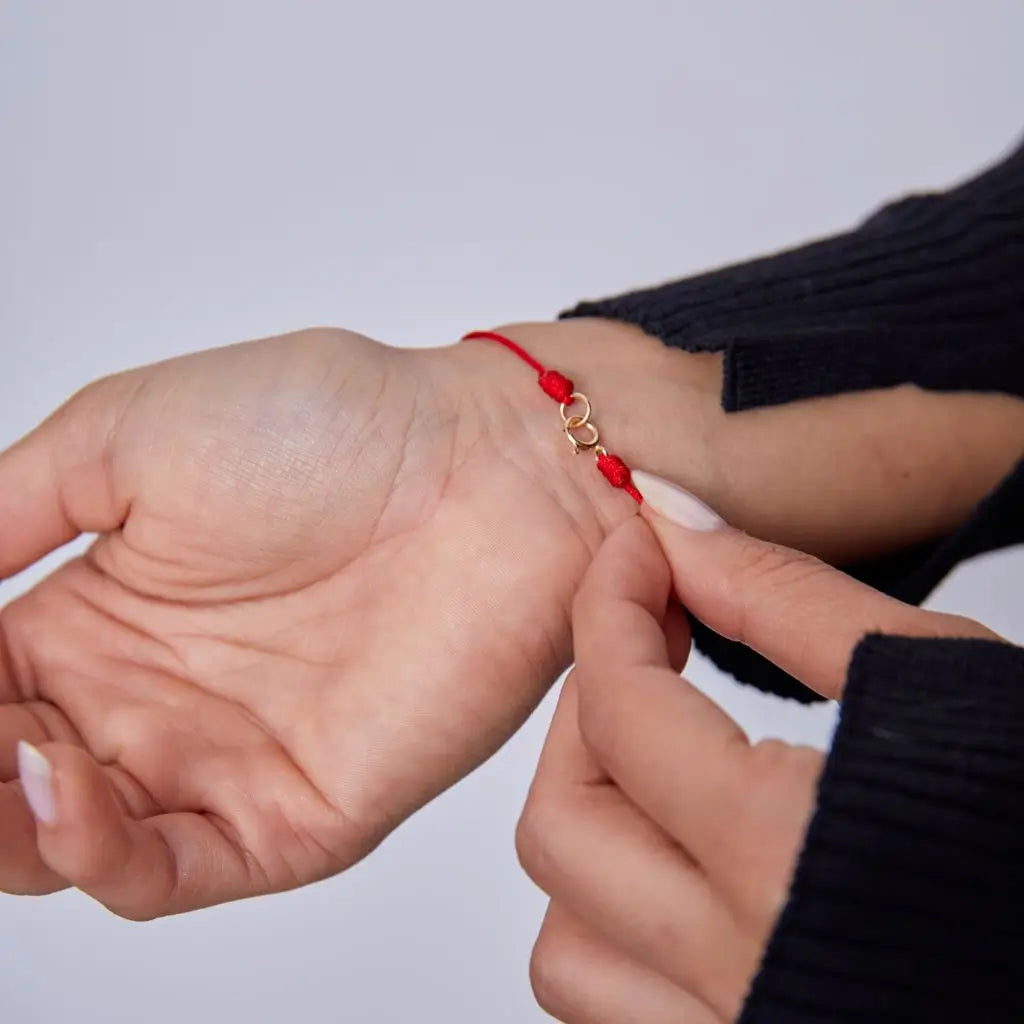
675,504
37,782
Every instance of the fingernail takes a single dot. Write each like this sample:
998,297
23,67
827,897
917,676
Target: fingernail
37,782
675,504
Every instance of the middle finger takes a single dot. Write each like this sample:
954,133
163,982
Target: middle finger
594,852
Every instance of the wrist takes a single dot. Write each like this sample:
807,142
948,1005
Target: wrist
655,407
827,476
846,477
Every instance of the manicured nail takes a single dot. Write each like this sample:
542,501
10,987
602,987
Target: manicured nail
37,782
675,504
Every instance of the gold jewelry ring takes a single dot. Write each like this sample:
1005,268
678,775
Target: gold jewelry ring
576,396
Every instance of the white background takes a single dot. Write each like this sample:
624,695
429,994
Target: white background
181,174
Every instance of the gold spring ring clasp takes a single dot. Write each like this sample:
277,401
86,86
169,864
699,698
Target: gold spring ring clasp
572,424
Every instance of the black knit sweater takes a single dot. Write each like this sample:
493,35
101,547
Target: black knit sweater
907,903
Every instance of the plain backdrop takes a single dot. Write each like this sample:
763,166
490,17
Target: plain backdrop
183,174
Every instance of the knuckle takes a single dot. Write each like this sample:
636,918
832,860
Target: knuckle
90,865
135,914
767,755
95,397
773,806
552,968
87,425
586,600
533,838
652,937
597,716
775,764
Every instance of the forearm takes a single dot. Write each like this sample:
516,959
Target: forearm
858,476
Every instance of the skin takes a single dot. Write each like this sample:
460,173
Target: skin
664,838
332,577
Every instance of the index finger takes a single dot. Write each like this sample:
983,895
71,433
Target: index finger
800,613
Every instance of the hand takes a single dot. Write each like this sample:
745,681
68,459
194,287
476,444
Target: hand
331,578
664,838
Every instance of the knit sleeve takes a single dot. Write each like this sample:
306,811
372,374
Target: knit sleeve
907,903
929,291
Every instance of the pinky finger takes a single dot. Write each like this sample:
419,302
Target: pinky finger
579,978
140,870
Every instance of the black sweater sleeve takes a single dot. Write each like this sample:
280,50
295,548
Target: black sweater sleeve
907,904
929,290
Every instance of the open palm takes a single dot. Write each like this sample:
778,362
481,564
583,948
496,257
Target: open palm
309,609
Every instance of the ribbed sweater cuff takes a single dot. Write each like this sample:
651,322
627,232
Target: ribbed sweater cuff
907,904
929,290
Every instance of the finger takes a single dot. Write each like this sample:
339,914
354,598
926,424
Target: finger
38,722
580,978
801,614
672,749
599,856
564,760
22,871
630,579
678,636
161,865
55,483
35,722
9,690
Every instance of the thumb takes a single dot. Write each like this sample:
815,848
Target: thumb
56,483
796,611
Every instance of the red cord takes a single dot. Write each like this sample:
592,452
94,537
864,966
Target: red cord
561,389
508,343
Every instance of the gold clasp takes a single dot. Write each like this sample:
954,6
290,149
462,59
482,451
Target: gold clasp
570,424
580,444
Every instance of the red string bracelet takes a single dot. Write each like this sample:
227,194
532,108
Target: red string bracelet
561,389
